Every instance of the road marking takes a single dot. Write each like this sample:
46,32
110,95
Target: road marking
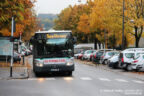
137,81
50,79
121,80
32,78
86,78
104,79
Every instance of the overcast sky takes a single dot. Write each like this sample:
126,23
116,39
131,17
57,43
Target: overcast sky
54,6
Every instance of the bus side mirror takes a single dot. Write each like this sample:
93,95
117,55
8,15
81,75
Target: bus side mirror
74,40
32,40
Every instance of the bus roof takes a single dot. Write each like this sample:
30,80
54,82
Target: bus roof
55,31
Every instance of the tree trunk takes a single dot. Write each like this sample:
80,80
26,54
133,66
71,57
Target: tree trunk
95,43
136,37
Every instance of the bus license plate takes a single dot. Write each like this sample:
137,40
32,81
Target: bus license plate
54,69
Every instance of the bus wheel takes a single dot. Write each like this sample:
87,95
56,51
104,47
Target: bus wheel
37,74
69,73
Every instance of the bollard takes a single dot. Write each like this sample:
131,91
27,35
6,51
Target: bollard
23,60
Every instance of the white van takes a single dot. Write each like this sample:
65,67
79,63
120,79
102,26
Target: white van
127,56
137,64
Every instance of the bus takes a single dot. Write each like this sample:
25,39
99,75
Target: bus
53,51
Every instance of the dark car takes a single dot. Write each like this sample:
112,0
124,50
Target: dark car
17,57
96,57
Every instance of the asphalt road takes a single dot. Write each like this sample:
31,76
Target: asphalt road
86,81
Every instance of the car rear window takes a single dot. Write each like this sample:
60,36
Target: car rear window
99,53
88,52
129,55
110,53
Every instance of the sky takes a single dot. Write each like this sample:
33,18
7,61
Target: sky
54,6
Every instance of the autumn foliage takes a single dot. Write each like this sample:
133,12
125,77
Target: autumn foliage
26,21
99,19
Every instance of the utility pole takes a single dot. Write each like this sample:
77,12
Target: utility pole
12,53
123,27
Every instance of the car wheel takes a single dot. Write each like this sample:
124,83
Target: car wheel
105,62
129,68
92,59
100,61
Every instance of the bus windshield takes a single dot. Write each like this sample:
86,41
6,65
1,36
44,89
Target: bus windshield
56,45
56,41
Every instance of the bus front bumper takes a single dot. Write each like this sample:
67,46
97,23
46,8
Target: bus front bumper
54,68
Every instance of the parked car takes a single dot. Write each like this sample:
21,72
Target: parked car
87,54
126,57
91,55
137,64
25,50
17,57
106,56
80,55
96,56
114,61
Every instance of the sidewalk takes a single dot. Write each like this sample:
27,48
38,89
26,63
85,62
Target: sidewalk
20,71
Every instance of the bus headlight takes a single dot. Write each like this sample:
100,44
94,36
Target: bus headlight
39,64
69,62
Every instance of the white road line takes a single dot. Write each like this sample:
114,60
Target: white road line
86,78
50,79
121,80
137,81
32,78
104,79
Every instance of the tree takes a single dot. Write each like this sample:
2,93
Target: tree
26,21
135,18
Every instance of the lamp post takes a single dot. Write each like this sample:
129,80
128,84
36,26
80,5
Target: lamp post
123,25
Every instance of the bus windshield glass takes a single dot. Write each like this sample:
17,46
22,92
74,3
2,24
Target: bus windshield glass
56,45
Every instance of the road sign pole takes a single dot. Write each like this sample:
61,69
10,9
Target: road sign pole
12,53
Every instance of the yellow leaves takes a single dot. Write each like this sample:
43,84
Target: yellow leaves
83,24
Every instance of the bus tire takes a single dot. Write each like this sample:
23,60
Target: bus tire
37,74
69,73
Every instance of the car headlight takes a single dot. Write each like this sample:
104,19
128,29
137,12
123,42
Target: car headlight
69,62
39,64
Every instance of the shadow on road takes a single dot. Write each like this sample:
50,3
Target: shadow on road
46,75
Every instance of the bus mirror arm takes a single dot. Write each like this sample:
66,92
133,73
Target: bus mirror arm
74,40
32,40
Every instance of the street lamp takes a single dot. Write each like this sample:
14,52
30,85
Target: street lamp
123,25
